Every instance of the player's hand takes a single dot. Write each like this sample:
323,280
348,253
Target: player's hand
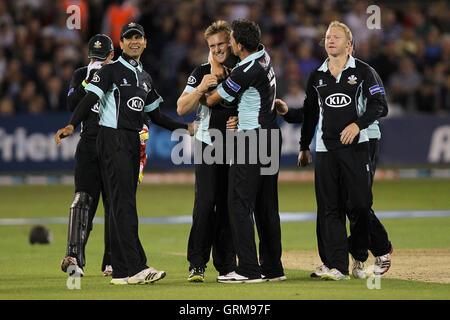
281,107
92,68
232,123
207,81
217,69
304,158
349,133
63,133
191,128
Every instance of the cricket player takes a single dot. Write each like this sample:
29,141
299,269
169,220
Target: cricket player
125,92
343,98
88,181
252,83
380,246
210,223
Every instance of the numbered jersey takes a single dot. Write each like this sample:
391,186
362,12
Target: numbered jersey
252,84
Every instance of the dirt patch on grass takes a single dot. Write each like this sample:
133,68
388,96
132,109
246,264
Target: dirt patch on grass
427,265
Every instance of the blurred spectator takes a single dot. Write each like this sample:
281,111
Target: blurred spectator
3,64
13,78
37,105
25,96
6,107
307,30
38,53
356,20
307,62
392,29
385,62
56,98
118,13
404,83
427,94
6,35
433,49
295,95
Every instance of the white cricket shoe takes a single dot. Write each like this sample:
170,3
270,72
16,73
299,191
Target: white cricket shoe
146,276
273,279
383,263
335,274
119,281
233,277
358,269
320,271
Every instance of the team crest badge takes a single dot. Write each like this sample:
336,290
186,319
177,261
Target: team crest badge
352,79
321,84
97,44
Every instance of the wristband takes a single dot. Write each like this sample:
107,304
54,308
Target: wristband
84,83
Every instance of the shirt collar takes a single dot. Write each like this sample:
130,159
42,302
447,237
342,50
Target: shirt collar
254,56
129,62
350,64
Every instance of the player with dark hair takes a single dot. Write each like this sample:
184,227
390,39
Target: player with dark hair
252,83
126,93
88,182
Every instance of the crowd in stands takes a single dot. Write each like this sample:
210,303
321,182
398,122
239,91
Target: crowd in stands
410,48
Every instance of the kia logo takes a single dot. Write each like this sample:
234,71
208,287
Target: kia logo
136,104
338,100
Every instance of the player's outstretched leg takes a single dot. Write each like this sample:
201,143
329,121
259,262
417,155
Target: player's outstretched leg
78,231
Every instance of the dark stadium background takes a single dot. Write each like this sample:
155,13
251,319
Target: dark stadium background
38,54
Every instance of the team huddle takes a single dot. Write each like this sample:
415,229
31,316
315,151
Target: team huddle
235,90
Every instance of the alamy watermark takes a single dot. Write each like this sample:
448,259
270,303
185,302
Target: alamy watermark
74,279
374,282
259,146
73,21
374,20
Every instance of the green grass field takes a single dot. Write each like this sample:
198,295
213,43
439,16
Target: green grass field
33,272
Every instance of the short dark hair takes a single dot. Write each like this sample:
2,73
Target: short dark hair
247,33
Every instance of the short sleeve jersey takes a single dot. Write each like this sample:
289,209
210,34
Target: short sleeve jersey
125,92
252,84
209,118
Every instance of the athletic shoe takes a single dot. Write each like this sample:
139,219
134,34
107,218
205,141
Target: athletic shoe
146,276
273,279
234,277
69,265
320,271
225,276
108,271
119,281
197,274
335,274
383,263
358,269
